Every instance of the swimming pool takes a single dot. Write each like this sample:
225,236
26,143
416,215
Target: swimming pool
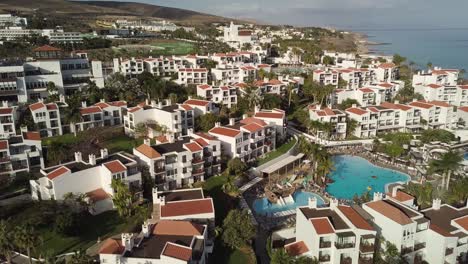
262,206
355,175
465,156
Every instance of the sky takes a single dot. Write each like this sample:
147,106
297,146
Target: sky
346,14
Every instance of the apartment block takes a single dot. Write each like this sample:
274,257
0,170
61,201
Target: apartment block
20,152
274,117
326,77
366,120
164,66
201,107
435,235
175,118
332,234
181,162
456,95
48,117
248,139
180,231
438,76
335,117
92,177
223,95
129,67
437,114
192,76
8,116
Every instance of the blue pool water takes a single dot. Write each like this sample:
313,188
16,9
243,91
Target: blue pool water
353,175
263,206
466,156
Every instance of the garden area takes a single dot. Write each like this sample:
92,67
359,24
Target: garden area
285,147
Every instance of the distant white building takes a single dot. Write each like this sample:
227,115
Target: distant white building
335,117
8,20
195,76
19,153
456,95
236,37
437,76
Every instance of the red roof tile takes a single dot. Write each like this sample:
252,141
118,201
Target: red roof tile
366,90
197,102
390,212
439,103
204,86
355,218
228,132
193,147
252,127
46,48
177,251
463,108
186,107
401,196
6,111
439,230
206,136
36,106
463,222
31,135
111,246
421,104
201,142
98,195
90,110
322,226
191,207
115,166
297,248
357,111
58,172
270,115
434,86
51,107
178,228
387,65
148,151
253,120
4,144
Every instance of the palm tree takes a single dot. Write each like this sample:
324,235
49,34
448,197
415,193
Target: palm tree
56,152
26,238
6,240
122,198
253,97
449,162
458,193
290,89
229,187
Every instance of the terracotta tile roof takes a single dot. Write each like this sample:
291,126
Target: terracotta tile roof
6,111
463,108
52,107
102,105
4,144
366,90
439,230
206,136
386,85
355,218
186,107
269,115
193,147
421,104
322,226
46,48
252,127
98,195
177,251
434,86
275,82
244,33
297,248
118,103
401,196
115,166
201,142
162,139
464,87
439,103
36,106
58,172
228,132
31,135
387,65
390,212
178,228
463,222
204,86
396,106
112,246
197,102
189,207
251,120
357,111
90,110
148,151
134,109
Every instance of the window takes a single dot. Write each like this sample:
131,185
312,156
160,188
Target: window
184,170
184,158
214,148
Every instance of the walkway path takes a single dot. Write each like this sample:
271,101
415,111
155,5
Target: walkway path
327,143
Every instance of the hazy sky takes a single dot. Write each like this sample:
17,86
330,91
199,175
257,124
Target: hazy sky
340,13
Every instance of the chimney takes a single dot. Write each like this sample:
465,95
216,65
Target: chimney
353,105
147,141
127,241
62,98
168,102
160,104
104,153
317,107
232,121
190,131
5,103
92,159
333,203
377,196
397,102
84,104
147,101
244,116
24,129
256,109
414,99
312,203
436,204
161,200
190,97
145,229
102,100
153,103
217,124
78,157
155,195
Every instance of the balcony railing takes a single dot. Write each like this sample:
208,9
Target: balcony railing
346,260
366,247
325,244
448,251
406,250
198,171
324,258
419,246
197,160
365,260
344,245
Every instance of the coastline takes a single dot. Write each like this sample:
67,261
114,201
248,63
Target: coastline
363,44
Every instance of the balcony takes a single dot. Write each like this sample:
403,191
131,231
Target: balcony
365,260
324,258
366,247
346,260
448,251
419,246
325,244
344,245
406,250
197,160
198,171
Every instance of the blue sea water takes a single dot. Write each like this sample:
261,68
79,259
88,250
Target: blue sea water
447,47
262,206
355,175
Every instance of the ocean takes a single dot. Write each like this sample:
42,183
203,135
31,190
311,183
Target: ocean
447,48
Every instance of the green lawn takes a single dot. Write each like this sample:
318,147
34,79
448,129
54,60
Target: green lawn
223,203
64,139
176,47
278,152
92,227
122,143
